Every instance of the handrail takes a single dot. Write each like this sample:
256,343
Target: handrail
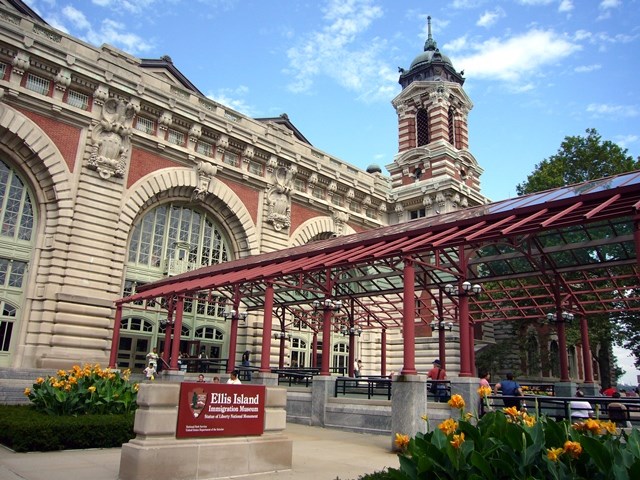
369,386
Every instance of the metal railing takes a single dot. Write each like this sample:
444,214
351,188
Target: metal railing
369,386
296,377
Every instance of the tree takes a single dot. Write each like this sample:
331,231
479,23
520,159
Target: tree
580,159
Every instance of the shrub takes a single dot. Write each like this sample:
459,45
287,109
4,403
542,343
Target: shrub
511,444
88,390
24,429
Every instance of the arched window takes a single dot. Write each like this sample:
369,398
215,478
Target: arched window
341,358
16,212
7,320
298,353
422,127
17,226
452,126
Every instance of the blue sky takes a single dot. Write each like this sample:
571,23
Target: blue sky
536,70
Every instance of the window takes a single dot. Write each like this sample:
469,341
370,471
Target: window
422,125
204,148
231,158
209,333
77,99
16,213
175,137
156,236
145,125
452,127
255,168
136,324
3,70
420,213
299,185
318,192
341,358
38,84
338,200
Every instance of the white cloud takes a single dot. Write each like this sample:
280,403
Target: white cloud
488,18
131,6
115,33
76,17
535,2
517,56
607,4
624,140
605,109
565,6
466,4
456,45
335,52
587,68
234,98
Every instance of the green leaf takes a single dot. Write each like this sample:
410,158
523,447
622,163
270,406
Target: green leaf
598,453
481,464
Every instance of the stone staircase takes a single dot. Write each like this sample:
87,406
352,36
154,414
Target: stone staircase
13,381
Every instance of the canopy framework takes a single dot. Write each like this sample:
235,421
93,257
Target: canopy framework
572,248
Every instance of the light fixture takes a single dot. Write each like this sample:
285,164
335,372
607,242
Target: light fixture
441,325
327,304
565,317
233,315
466,289
282,335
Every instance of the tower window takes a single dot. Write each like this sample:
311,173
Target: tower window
452,127
422,121
415,214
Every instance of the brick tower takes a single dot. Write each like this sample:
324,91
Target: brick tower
433,172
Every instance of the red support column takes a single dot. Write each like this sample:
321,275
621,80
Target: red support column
442,347
177,329
233,338
409,318
383,353
166,353
352,352
465,359
281,353
265,355
314,351
115,338
562,347
472,348
586,350
326,342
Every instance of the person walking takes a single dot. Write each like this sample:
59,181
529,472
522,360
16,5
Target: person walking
510,390
246,363
438,376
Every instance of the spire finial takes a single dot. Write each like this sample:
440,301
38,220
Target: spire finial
430,44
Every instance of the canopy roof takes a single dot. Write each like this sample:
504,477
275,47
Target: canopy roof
580,240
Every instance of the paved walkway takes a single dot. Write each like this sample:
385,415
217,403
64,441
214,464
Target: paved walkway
318,454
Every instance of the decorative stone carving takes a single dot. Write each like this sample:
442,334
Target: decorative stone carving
351,194
272,163
279,197
63,79
165,120
313,179
205,171
195,132
440,199
427,201
333,187
340,219
111,139
100,95
399,209
21,63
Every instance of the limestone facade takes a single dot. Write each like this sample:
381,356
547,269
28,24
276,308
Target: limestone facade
118,171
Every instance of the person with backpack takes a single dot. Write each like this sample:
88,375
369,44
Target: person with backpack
510,390
438,386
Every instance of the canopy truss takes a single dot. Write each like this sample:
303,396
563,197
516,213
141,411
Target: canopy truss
579,241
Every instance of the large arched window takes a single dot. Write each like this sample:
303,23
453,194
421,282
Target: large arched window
171,239
341,358
17,227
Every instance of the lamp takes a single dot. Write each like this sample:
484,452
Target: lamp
327,304
466,289
565,317
234,315
281,335
441,325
